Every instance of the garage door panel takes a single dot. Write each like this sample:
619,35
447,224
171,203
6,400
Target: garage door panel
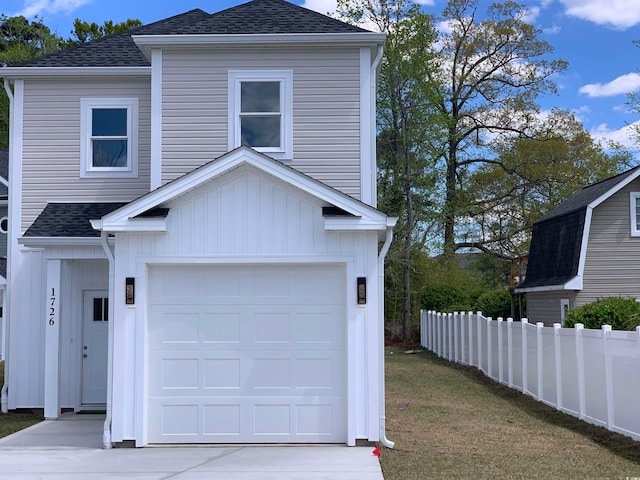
258,367
229,420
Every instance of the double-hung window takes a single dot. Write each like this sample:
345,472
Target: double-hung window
108,141
635,214
261,112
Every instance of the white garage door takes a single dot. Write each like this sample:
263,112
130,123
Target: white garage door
247,354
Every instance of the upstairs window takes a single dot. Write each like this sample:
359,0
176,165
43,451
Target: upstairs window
109,137
260,111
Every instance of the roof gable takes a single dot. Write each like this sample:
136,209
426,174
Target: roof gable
128,218
556,256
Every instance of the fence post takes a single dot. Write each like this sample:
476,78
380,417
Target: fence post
432,333
479,339
462,337
439,334
540,371
470,319
489,371
558,369
500,364
449,336
579,327
510,350
422,325
525,369
455,336
608,374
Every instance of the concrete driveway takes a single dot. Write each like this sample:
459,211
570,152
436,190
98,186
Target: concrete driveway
70,449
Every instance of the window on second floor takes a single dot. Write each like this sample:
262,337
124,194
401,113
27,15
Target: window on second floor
108,142
635,214
261,112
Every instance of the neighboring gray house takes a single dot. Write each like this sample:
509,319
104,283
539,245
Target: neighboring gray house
195,246
587,248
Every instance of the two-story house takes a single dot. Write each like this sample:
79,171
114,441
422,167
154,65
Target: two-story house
194,244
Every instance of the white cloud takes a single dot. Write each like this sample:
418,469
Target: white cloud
623,135
622,85
322,6
619,14
40,7
531,15
552,30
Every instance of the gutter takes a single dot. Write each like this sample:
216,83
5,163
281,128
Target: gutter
4,393
383,254
106,432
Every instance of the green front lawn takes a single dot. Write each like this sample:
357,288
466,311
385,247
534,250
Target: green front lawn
452,422
13,421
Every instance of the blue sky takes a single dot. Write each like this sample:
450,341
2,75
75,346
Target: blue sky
594,36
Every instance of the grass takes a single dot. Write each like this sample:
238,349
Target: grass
14,421
451,422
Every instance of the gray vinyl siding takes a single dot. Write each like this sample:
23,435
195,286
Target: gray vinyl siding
51,150
326,108
545,306
612,263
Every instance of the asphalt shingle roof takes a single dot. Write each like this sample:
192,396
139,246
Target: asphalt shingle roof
70,219
254,17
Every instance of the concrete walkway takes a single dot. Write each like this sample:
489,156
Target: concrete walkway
71,449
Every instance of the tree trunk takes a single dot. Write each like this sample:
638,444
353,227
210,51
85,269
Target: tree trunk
406,268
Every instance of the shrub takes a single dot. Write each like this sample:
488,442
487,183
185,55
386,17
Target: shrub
495,303
620,313
440,296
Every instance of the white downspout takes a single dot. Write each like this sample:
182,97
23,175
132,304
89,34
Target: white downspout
106,432
4,393
383,253
375,70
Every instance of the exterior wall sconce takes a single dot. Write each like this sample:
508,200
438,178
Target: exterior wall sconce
130,291
362,290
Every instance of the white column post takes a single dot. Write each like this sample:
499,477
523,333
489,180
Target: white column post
479,338
52,341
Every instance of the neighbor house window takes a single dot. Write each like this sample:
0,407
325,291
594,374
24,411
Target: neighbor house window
260,111
635,214
108,139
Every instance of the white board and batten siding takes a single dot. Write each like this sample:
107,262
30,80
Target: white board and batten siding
326,105
252,226
51,151
612,263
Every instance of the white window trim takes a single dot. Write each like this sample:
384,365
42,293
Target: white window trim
285,77
635,232
87,170
564,308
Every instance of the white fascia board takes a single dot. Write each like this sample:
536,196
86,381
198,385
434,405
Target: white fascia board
40,242
574,284
146,42
616,188
353,224
27,72
242,155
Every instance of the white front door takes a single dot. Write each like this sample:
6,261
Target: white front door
94,347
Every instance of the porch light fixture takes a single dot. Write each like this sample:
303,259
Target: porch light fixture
130,291
362,290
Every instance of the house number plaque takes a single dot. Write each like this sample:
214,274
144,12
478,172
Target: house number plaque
52,307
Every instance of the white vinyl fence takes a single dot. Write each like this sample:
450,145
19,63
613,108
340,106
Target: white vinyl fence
591,374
